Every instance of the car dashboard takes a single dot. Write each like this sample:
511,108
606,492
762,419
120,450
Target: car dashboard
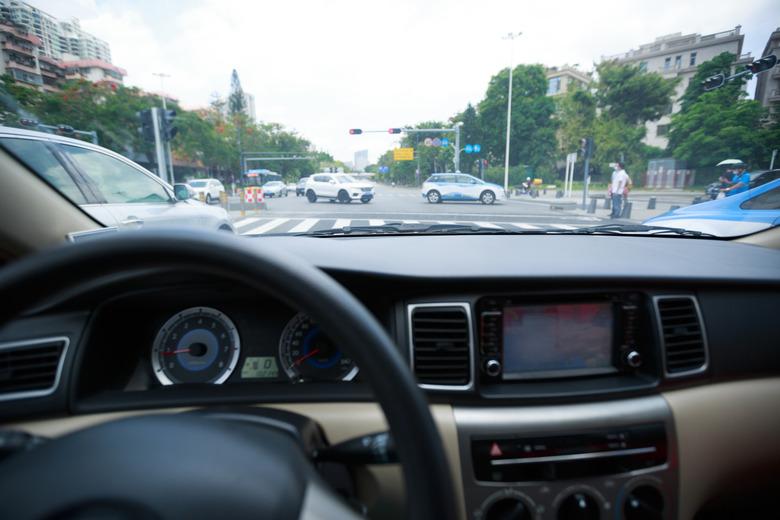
571,377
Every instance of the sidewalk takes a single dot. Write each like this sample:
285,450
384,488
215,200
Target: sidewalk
639,211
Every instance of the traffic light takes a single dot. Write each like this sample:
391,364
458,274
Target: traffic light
762,64
713,82
147,124
355,131
586,147
393,130
168,129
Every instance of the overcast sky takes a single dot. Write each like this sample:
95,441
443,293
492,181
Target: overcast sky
321,67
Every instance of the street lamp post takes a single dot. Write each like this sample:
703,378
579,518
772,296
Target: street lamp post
511,37
457,145
162,77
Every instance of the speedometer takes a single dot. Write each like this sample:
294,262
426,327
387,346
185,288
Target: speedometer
307,354
197,345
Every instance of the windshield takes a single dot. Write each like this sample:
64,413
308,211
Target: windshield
449,123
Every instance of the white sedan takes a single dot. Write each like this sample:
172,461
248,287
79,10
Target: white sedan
210,188
274,189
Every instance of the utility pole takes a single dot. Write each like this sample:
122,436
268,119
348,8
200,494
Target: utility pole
169,156
772,162
457,145
511,37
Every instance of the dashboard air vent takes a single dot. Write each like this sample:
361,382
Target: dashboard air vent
31,368
440,339
682,333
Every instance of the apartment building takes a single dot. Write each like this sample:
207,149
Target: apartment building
562,79
768,83
678,56
41,51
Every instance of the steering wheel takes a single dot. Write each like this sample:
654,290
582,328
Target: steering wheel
186,465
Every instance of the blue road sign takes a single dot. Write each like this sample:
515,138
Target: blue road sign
445,141
477,148
468,148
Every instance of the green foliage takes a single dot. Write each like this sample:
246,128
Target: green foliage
576,114
625,93
721,64
533,127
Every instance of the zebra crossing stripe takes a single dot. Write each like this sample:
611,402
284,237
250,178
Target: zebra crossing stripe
267,226
304,225
488,225
522,225
563,226
247,221
376,222
340,223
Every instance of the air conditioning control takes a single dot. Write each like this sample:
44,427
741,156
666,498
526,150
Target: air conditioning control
493,367
644,503
579,506
509,508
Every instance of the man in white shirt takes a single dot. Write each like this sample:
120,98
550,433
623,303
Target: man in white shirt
617,188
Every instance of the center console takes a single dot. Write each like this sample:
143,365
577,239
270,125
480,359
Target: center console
581,461
558,456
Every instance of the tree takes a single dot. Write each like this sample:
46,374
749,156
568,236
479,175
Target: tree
237,100
576,114
626,93
723,63
470,133
719,124
533,127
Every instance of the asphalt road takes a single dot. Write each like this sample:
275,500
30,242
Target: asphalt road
296,214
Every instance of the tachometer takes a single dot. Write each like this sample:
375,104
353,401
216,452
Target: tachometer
197,345
307,354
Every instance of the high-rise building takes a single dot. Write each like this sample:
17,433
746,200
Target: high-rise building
249,108
678,56
40,50
562,79
768,83
361,160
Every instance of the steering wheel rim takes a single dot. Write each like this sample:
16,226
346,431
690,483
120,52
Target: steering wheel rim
429,486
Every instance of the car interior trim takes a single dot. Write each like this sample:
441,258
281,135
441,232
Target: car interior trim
19,345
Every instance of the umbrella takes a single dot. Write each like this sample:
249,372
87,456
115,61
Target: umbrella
729,162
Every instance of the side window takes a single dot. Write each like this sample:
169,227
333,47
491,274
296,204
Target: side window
767,200
320,178
448,179
36,156
117,181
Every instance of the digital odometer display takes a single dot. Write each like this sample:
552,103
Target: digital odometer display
557,340
259,367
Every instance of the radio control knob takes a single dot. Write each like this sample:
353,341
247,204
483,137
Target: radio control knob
509,508
493,367
634,359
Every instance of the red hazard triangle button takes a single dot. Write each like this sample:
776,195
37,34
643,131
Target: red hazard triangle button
495,451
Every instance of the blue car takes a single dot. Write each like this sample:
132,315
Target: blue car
741,214
441,187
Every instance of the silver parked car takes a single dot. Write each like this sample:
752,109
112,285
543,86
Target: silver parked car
114,190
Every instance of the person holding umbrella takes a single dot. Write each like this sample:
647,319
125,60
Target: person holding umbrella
740,180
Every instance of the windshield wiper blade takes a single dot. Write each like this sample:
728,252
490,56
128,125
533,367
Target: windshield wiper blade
404,229
628,229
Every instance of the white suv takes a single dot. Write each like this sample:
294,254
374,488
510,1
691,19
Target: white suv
338,186
211,188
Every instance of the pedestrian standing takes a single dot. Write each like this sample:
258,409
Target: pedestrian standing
616,189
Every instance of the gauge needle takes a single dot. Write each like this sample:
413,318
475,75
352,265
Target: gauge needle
307,356
178,351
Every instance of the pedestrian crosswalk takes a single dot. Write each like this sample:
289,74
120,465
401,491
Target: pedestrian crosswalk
262,226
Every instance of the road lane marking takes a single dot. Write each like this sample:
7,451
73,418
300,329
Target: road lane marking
340,223
304,225
247,221
266,227
376,222
522,225
562,226
488,225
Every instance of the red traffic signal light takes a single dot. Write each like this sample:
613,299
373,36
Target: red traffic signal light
762,64
393,130
355,131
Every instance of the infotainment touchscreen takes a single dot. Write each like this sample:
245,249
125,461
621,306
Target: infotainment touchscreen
557,340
